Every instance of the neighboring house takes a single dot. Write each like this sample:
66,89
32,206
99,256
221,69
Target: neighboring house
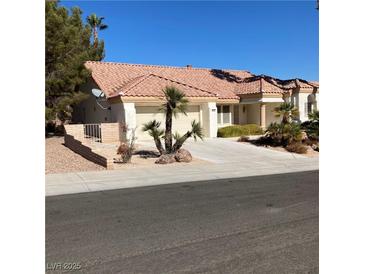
216,97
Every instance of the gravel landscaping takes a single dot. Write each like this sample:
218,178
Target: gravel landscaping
60,159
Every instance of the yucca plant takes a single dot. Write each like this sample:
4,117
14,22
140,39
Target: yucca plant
195,132
153,129
175,104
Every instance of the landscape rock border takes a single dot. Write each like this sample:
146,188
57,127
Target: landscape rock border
182,155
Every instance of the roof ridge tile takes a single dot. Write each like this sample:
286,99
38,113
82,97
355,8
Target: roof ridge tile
162,66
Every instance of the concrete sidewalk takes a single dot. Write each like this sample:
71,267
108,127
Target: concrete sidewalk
78,182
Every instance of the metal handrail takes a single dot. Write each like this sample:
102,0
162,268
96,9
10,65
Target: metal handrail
93,132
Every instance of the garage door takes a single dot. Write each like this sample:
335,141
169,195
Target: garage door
181,124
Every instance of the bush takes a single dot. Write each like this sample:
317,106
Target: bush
297,147
283,134
239,130
122,149
311,128
126,150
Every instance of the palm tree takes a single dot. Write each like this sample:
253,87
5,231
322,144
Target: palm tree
96,23
175,103
288,111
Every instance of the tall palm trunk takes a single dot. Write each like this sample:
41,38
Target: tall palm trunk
168,129
95,34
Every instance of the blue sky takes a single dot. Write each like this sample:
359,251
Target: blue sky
278,38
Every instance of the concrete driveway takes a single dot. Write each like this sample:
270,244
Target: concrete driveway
225,158
228,150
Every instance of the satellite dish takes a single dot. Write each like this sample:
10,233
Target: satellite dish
97,93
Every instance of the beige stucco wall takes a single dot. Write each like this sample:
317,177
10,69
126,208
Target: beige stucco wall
88,111
253,114
300,99
242,111
270,116
208,116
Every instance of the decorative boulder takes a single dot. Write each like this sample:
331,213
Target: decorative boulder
315,147
166,159
182,155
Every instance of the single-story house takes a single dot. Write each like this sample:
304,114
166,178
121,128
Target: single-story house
217,98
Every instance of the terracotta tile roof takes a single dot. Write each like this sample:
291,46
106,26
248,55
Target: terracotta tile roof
148,80
314,83
152,85
258,84
271,85
112,77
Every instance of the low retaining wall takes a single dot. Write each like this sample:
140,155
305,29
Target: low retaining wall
74,137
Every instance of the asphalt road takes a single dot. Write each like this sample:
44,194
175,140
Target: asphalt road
264,224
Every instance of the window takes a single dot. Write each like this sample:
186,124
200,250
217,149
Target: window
223,115
311,105
219,115
226,115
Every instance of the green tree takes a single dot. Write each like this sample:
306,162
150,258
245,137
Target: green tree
175,103
96,24
68,47
287,110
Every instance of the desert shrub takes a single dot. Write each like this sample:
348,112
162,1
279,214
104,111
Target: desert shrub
311,127
291,133
122,149
239,130
243,138
53,129
274,133
296,147
126,149
283,134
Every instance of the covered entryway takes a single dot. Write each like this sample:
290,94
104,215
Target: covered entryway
180,124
